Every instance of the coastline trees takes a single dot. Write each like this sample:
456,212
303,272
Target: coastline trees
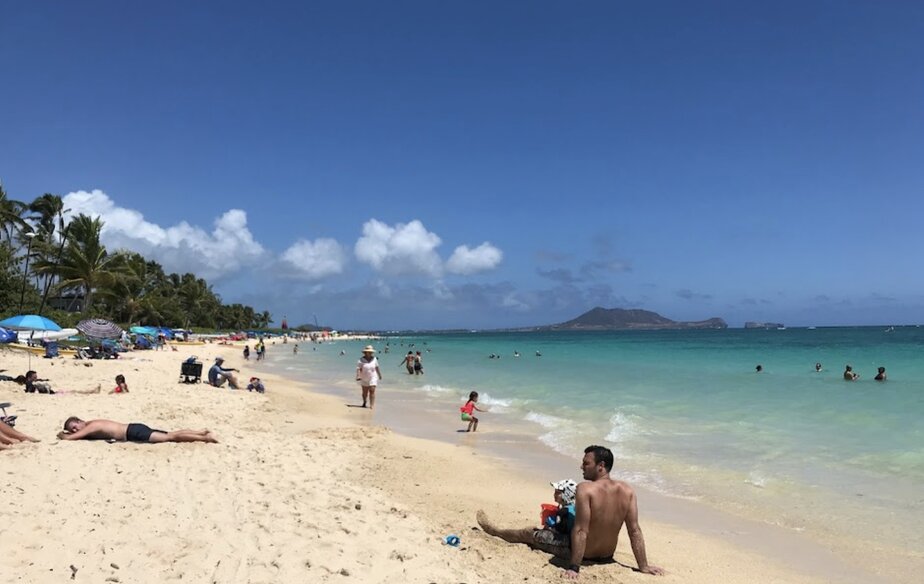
68,258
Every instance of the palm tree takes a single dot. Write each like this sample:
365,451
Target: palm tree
48,217
85,264
48,212
10,215
133,291
263,319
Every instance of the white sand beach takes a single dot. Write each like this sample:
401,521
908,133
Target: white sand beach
298,489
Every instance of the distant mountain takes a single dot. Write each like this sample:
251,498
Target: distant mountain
607,319
763,325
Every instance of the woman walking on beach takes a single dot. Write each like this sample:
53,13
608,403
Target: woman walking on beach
368,375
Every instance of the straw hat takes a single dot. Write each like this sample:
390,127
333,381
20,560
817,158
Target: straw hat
368,349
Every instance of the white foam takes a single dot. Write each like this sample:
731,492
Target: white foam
621,427
436,389
544,420
495,403
756,479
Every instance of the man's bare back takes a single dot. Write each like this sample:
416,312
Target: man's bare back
601,506
609,502
96,430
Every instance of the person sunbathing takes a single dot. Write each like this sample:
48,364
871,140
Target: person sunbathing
10,436
34,384
77,429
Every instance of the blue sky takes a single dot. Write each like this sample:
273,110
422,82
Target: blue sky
476,164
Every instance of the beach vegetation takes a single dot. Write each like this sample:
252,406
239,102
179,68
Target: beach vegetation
45,254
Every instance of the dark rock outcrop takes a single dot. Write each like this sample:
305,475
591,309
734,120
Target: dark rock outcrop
602,319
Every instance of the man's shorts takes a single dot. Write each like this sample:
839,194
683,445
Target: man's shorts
139,433
553,538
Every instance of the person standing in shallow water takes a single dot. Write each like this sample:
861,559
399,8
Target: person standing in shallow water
849,374
368,375
409,362
881,374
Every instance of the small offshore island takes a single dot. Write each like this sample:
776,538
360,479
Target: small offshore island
615,319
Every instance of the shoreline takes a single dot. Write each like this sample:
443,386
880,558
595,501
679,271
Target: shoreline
815,553
300,487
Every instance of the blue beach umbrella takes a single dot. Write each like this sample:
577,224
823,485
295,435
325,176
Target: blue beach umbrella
30,322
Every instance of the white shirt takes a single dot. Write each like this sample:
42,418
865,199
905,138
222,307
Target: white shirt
368,373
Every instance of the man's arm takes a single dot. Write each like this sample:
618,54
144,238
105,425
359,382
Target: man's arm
579,532
638,540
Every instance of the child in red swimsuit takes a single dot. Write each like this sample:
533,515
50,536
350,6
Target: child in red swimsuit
121,386
468,411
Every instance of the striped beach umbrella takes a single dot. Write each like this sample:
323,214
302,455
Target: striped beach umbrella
99,328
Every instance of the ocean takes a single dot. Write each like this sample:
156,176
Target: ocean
687,415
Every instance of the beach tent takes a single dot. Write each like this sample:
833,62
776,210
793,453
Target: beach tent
7,336
142,342
26,336
168,333
144,330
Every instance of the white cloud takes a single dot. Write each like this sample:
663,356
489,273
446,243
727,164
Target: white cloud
180,248
402,249
467,261
511,301
316,259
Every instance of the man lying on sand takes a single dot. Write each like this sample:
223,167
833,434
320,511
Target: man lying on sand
602,505
77,429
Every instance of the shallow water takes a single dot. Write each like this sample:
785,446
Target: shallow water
687,415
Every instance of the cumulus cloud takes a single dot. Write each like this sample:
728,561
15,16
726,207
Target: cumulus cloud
402,249
467,261
316,259
180,248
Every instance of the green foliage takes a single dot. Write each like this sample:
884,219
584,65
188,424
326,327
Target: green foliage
121,286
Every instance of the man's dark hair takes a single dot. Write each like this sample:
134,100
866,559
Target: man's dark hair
69,420
601,454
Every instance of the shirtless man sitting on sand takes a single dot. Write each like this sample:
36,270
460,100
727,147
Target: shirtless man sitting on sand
602,505
77,429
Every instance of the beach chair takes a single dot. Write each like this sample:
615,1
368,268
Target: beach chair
191,371
51,349
8,420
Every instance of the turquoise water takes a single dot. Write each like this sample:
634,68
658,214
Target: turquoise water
687,415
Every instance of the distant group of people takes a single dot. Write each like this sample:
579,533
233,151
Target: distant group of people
849,373
413,362
259,349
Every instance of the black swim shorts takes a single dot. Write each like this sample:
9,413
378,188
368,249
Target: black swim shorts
552,538
139,433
